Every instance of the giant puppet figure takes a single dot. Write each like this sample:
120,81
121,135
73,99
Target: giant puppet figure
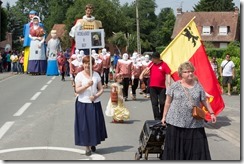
37,63
53,49
26,39
88,22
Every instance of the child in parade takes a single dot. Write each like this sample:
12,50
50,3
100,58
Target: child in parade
115,107
61,64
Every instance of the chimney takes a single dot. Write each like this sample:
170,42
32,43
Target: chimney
179,11
236,10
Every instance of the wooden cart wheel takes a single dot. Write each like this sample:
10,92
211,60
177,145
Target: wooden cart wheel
137,156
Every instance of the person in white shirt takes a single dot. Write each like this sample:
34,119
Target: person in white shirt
90,128
227,72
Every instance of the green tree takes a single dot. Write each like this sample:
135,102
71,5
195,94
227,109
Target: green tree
214,5
56,13
15,26
119,40
161,35
147,20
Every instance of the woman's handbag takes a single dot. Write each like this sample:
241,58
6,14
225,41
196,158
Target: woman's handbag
197,112
114,95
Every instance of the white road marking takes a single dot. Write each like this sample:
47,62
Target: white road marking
94,156
49,81
35,96
22,109
53,77
44,87
5,128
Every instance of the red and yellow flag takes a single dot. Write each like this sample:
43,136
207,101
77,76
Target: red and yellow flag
187,46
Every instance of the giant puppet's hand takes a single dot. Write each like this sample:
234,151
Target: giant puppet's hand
74,29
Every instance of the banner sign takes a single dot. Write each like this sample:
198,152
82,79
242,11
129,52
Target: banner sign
86,39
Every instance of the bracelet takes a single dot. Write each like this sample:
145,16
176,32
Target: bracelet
211,113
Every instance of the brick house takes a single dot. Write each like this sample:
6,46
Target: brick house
6,42
219,28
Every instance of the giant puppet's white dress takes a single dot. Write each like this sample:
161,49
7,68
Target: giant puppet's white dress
53,47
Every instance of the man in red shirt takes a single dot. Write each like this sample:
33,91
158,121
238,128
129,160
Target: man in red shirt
159,75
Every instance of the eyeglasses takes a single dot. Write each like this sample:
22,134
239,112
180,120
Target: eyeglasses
187,71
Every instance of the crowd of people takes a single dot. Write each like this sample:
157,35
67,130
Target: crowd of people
12,61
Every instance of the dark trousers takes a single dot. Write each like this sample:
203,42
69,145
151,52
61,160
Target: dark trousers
134,86
146,82
125,83
158,98
105,75
9,66
1,66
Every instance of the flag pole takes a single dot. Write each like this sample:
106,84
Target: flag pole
177,35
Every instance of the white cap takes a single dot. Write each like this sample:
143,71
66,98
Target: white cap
81,52
135,54
93,51
104,50
76,51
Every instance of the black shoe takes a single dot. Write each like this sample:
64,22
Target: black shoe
161,156
93,148
88,152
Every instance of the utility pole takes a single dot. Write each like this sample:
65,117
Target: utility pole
138,30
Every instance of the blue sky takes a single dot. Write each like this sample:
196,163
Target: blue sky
187,5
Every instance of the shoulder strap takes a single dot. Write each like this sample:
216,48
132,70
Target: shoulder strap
187,94
225,65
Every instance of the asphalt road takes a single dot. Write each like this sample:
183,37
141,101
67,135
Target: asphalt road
37,123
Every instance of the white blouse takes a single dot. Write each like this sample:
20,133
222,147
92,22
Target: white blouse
81,78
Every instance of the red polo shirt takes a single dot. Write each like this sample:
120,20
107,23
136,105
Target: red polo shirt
158,74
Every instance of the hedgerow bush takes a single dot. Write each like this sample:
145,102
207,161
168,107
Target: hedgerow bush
234,50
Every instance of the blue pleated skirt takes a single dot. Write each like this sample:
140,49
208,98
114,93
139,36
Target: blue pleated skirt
90,127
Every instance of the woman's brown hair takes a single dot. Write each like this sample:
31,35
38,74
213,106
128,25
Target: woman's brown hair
86,59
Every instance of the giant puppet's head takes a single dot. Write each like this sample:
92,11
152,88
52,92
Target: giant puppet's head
53,33
32,13
89,10
35,29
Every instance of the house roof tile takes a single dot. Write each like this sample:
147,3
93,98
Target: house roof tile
214,19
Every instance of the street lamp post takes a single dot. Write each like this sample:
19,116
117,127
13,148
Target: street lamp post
138,30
